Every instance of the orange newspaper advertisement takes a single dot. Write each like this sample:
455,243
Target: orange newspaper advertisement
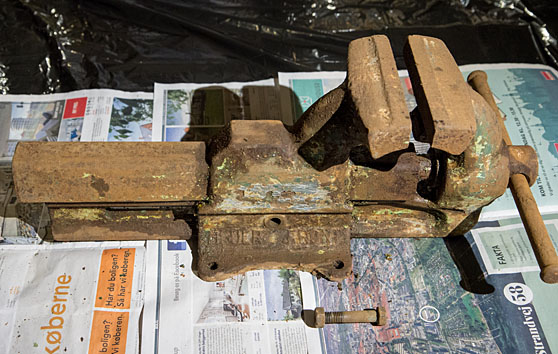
115,278
71,298
108,332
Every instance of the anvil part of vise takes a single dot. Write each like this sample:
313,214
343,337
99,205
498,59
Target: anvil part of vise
263,195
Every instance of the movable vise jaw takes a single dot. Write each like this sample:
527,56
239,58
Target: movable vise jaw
265,195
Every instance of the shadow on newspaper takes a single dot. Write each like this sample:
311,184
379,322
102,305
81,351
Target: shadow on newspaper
202,114
472,276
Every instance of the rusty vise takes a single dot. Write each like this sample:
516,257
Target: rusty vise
264,195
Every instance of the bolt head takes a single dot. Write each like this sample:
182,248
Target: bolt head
382,317
549,274
319,317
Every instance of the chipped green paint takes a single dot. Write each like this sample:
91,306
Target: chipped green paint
159,177
223,165
85,175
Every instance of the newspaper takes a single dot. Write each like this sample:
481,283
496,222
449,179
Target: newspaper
89,303
416,280
199,111
256,312
511,266
527,95
86,115
505,247
509,309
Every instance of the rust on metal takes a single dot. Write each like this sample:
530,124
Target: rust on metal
441,93
258,170
276,196
385,221
524,160
86,224
399,184
376,317
530,216
376,91
108,172
317,243
314,118
481,173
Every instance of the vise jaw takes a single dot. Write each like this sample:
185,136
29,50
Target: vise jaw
265,195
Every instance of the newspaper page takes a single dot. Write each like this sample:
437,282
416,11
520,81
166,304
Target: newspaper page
88,303
301,90
199,111
256,312
504,245
509,261
421,282
86,115
527,96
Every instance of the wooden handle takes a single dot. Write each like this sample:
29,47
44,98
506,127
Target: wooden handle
524,200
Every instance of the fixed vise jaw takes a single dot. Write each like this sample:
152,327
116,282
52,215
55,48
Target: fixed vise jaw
265,195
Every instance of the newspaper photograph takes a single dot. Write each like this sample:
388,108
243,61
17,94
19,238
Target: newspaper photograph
90,303
301,90
131,119
23,121
199,111
418,283
86,115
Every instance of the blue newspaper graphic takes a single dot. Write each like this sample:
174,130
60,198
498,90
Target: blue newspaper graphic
528,99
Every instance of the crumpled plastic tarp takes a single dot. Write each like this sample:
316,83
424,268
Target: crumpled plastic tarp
63,45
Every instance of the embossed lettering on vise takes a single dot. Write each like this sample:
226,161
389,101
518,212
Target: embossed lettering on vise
317,243
295,238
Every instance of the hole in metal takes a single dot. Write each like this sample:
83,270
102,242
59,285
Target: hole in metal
338,264
274,221
213,266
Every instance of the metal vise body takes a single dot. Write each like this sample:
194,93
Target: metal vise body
265,195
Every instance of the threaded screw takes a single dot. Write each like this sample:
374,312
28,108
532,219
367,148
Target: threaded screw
376,317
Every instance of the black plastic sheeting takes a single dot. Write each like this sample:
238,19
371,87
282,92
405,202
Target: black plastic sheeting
58,46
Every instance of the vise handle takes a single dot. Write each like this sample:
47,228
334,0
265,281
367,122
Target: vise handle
524,200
